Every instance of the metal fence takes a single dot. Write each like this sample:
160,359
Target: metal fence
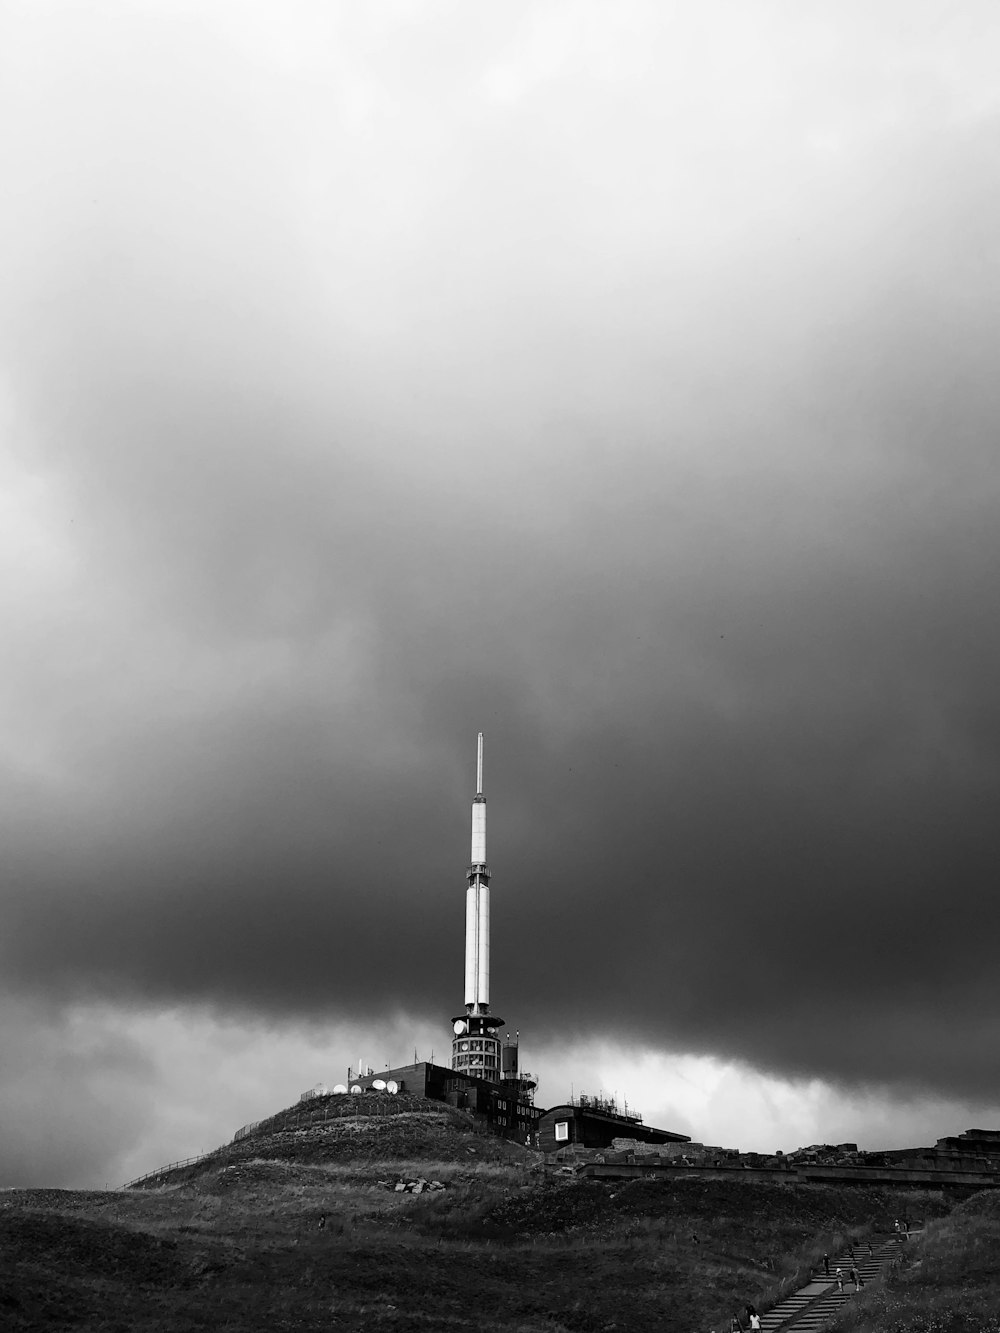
172,1166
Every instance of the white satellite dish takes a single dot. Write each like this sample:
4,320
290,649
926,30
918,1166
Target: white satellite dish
392,1086
379,1084
355,1087
340,1087
460,1026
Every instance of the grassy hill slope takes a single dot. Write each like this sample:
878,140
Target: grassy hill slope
234,1242
951,1283
368,1128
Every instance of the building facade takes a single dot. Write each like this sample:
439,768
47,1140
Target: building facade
595,1122
497,1106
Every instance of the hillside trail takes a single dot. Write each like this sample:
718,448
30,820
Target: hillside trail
809,1308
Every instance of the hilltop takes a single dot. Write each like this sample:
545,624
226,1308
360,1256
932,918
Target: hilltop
369,1127
233,1241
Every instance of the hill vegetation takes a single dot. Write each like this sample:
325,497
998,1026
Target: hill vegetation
235,1242
370,1127
951,1283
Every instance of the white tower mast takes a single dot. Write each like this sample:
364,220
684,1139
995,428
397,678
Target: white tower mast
477,905
476,1048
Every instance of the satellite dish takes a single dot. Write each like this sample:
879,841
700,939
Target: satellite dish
341,1087
355,1087
379,1084
460,1026
392,1086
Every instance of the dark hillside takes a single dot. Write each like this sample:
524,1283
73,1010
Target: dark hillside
499,1250
743,1212
951,1282
365,1128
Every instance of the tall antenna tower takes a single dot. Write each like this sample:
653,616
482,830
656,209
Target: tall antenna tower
476,1048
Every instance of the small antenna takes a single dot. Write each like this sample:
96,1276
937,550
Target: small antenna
479,767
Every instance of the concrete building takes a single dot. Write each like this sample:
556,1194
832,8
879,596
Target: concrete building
595,1122
496,1105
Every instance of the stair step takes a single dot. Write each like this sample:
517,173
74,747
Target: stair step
811,1311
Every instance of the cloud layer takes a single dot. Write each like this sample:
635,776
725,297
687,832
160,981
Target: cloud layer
619,384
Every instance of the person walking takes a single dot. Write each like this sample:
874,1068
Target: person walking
840,1279
852,1273
755,1322
826,1264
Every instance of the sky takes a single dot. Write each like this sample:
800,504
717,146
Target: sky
614,379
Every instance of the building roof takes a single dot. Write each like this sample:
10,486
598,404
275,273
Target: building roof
569,1110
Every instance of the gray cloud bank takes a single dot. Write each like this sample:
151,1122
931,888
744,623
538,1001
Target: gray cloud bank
364,389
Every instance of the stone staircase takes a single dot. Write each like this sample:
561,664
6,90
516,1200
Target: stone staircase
810,1308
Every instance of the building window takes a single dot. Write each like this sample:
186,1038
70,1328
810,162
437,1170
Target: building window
562,1131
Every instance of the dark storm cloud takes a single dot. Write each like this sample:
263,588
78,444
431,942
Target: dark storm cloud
687,499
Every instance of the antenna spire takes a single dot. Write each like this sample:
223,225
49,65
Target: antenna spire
477,902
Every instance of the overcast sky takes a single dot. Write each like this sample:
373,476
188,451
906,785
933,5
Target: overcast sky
616,379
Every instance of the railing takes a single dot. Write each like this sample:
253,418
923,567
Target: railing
605,1106
301,1116
173,1166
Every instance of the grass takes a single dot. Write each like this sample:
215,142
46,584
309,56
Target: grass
500,1250
948,1282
